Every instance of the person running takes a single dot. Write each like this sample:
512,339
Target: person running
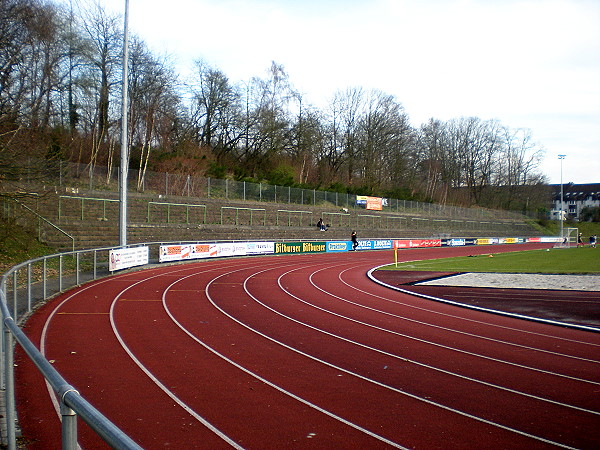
580,240
354,239
593,241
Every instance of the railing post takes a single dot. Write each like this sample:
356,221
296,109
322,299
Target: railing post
9,393
44,282
60,272
15,294
29,287
69,426
2,360
77,268
95,265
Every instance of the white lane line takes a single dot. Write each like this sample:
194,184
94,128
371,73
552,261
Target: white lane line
442,345
160,385
155,380
479,322
258,377
451,329
427,365
369,380
487,310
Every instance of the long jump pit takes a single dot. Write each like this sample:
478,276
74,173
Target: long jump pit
569,300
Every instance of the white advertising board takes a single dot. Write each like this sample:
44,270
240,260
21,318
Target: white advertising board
124,258
180,252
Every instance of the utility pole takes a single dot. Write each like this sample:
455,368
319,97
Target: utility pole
124,143
562,208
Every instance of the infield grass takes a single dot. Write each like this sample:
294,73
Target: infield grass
556,261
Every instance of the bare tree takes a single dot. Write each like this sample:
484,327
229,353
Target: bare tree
215,111
153,103
101,76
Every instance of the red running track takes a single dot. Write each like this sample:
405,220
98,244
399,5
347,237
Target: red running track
306,351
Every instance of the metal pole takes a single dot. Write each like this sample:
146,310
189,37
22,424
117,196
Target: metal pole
124,144
561,157
9,393
69,427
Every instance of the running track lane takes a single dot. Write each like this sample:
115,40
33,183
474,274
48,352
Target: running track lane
305,351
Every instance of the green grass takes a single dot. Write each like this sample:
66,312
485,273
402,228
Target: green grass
18,245
558,261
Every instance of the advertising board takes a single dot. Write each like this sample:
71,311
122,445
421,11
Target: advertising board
300,247
123,258
339,246
417,243
182,252
455,242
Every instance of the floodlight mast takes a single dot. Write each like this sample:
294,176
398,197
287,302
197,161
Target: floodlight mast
124,144
562,208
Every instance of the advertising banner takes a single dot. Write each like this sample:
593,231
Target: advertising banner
214,250
416,243
300,247
182,252
124,258
382,244
455,242
364,245
374,203
551,239
260,248
339,246
486,241
371,203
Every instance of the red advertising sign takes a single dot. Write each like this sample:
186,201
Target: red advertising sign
374,203
415,243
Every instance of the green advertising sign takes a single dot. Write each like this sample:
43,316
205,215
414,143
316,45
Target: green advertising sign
300,247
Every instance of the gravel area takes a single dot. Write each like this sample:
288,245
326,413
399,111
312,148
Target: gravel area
521,281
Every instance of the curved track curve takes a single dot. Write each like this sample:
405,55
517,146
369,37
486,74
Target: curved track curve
306,351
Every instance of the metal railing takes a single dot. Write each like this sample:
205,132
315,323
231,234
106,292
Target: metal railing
82,200
42,218
291,213
187,207
170,184
237,210
72,404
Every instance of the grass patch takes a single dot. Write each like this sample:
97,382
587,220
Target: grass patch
18,245
556,261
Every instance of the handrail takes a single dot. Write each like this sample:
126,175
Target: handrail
237,213
75,197
337,214
48,222
289,213
169,204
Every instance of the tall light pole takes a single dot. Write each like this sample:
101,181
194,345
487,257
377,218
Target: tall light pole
562,217
124,144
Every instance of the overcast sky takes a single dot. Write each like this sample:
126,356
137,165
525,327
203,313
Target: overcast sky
528,63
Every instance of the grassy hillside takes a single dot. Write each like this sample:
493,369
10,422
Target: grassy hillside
552,228
18,245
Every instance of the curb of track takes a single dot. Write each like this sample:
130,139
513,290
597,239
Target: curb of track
479,308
